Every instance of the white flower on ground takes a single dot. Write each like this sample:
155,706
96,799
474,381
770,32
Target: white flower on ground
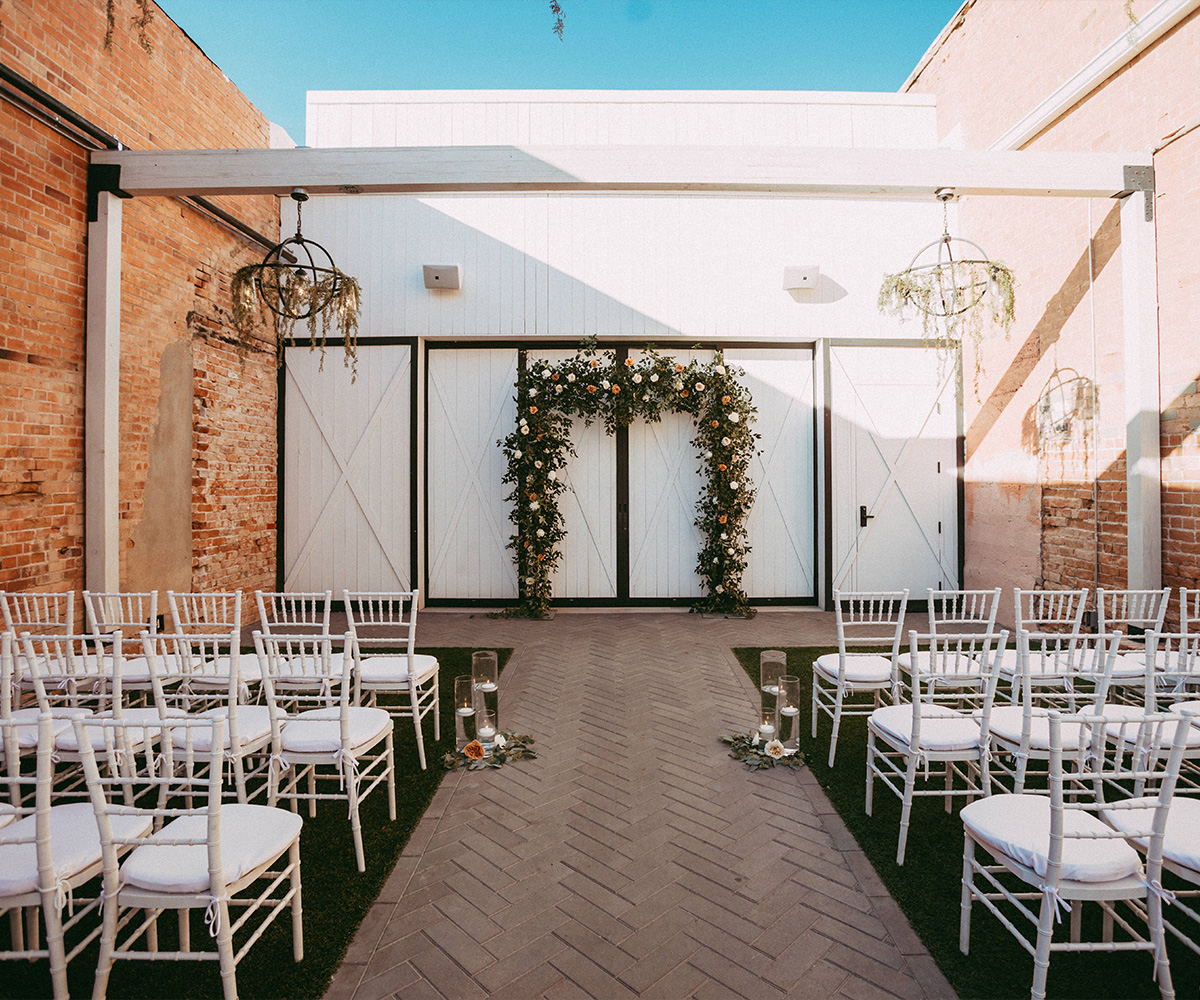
558,388
734,418
774,749
500,741
521,421
729,552
606,383
708,454
723,536
678,386
529,581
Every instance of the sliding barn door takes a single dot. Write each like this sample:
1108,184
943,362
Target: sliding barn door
346,457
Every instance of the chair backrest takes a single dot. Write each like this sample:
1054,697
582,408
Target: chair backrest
1189,609
870,618
211,613
962,610
75,671
30,792
955,668
382,619
1142,610
38,613
293,613
177,662
1061,670
1172,669
1097,774
1049,610
299,672
164,779
132,613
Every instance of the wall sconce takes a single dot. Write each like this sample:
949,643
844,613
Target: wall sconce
443,275
801,277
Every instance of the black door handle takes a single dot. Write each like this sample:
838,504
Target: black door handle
863,516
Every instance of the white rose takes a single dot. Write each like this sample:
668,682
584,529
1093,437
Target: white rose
774,749
537,465
606,383
558,388
678,386
729,552
529,581
714,562
723,536
637,379
654,377
646,397
533,392
552,475
517,453
725,442
720,589
521,421
524,429
545,373
570,376
699,386
720,369
501,742
708,454
535,506
734,418
734,485
541,533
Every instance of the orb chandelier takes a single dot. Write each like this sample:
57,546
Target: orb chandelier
298,281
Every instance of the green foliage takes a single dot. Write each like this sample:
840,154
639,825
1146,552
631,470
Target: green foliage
512,746
754,754
596,385
928,885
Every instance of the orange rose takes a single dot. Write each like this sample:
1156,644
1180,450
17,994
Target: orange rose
679,368
591,388
716,423
595,363
474,750
539,437
532,410
616,389
684,393
532,496
722,519
724,399
629,362
721,468
541,556
554,378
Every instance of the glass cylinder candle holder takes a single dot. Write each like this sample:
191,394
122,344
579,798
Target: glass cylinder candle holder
772,665
788,732
464,711
485,675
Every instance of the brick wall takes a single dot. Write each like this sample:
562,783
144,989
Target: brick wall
197,423
994,65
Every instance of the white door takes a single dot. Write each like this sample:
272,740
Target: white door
895,474
782,522
664,486
588,567
470,407
347,466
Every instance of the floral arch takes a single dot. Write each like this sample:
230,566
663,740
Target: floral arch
598,385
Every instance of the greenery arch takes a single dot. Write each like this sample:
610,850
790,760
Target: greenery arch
598,385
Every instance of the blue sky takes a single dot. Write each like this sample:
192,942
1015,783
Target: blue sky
275,50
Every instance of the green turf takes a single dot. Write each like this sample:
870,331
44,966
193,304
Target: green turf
928,885
336,896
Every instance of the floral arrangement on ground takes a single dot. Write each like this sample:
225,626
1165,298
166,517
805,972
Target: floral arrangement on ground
607,386
508,746
758,755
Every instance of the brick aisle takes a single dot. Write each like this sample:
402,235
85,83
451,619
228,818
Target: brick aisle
633,857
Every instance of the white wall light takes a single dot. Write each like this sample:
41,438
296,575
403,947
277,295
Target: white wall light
801,277
443,275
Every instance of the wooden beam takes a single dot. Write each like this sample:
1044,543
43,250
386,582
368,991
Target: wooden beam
101,397
769,169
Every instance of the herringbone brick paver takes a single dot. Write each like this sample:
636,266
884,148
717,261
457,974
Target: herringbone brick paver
633,857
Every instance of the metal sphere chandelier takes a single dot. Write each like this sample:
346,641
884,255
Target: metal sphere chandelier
298,281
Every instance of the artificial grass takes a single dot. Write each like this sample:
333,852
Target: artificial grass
336,896
928,886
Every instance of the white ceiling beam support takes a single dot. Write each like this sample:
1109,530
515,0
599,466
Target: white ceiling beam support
102,366
1143,481
768,169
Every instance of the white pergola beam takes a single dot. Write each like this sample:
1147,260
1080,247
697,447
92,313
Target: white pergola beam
769,169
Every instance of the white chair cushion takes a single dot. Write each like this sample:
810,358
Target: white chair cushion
1006,723
74,844
394,669
1182,841
1129,666
861,668
1018,827
250,836
961,663
138,719
254,723
27,723
215,673
8,813
319,730
942,728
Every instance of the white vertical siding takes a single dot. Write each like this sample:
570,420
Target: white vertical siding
471,406
346,456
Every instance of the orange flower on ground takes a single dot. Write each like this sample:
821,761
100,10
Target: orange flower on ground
474,750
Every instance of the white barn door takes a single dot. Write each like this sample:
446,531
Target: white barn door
347,467
894,450
470,407
782,522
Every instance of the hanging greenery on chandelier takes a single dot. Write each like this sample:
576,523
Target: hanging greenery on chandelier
952,293
599,386
298,281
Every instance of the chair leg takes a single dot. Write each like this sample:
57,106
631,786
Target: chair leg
949,786
152,934
297,906
225,951
54,944
910,781
437,715
816,687
356,825
312,793
185,930
33,929
391,776
1041,957
837,724
968,880
16,923
416,715
108,937
870,769
1076,920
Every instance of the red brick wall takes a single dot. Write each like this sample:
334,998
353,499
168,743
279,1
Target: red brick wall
197,497
996,64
